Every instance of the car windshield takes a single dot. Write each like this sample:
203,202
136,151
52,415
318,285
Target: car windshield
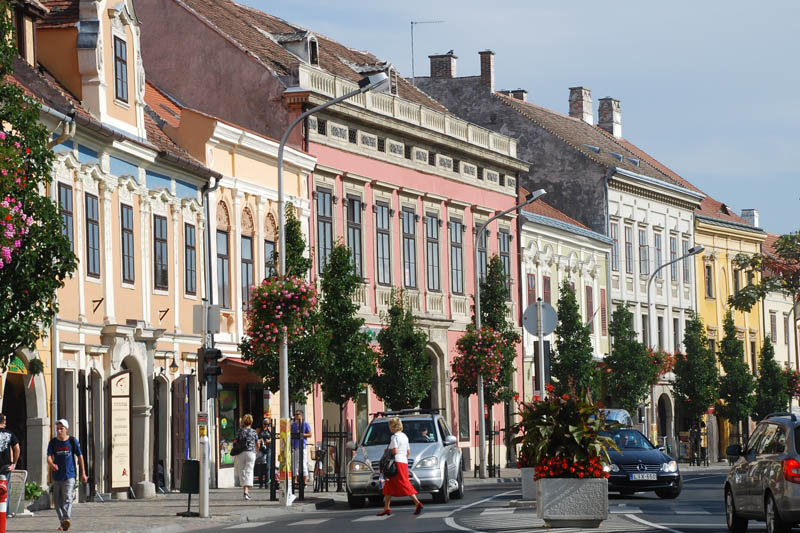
417,431
628,438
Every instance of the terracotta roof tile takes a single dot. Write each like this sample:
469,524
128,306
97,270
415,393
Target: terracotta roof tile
257,32
768,246
62,13
540,207
164,106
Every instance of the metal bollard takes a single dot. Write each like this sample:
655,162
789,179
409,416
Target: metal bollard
3,502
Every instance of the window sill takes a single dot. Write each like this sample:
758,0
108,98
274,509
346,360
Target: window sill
128,285
161,292
122,103
94,279
190,296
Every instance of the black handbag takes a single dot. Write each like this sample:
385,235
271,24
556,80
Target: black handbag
387,464
236,449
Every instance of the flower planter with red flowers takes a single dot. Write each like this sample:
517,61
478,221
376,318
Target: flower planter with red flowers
278,305
560,437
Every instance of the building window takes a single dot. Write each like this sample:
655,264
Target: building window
531,285
673,256
686,262
629,249
735,275
432,250
269,258
546,289
223,270
160,253
92,237
657,246
354,233
645,330
753,358
589,309
660,331
615,246
120,69
65,206
247,270
456,256
409,248
786,329
712,345
126,222
383,244
709,279
603,313
482,259
504,244
773,327
676,335
190,258
324,227
463,417
644,254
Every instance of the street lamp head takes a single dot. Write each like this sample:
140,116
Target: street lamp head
535,195
694,250
377,82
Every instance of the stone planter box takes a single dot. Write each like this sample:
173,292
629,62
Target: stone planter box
563,502
528,484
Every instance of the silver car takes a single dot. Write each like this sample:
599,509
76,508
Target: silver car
434,465
764,481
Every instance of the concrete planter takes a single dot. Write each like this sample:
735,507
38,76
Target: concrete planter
564,502
528,484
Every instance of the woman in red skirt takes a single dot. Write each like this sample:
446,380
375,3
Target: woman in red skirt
399,484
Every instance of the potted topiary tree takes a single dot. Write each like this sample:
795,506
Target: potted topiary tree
561,436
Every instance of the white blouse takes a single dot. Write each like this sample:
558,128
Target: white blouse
399,441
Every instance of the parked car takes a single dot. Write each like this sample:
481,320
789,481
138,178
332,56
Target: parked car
639,466
764,481
434,465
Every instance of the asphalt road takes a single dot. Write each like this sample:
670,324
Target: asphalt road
485,508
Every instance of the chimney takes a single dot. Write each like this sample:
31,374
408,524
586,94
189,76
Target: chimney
580,104
487,69
443,65
609,116
751,216
520,94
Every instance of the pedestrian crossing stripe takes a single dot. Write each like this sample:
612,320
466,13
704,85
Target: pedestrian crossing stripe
371,518
248,525
309,522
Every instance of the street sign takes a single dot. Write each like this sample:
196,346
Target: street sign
212,319
530,319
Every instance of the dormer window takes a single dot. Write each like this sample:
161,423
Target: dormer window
120,70
313,51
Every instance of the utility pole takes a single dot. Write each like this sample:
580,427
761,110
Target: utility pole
413,22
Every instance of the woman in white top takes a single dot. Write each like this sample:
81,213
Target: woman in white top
399,484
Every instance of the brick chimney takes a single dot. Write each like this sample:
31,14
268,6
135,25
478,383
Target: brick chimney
487,69
443,65
519,94
580,104
751,216
609,116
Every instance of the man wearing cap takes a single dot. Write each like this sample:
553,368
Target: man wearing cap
61,454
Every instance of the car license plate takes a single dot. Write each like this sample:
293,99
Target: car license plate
644,477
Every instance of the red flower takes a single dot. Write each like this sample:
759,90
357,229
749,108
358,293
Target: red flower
565,396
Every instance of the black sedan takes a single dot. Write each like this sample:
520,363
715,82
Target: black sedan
639,466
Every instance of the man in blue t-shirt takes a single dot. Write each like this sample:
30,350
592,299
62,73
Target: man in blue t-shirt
300,432
61,454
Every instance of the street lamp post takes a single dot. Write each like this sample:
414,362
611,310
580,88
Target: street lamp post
692,252
374,82
532,197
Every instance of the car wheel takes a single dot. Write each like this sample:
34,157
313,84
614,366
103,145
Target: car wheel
736,524
443,494
459,493
773,518
355,502
668,494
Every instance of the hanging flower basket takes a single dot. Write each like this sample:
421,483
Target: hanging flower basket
278,305
35,367
479,354
14,222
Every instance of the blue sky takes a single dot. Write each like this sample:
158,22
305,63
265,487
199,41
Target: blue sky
711,89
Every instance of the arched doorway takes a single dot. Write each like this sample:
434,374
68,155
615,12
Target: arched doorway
435,398
140,430
161,425
665,422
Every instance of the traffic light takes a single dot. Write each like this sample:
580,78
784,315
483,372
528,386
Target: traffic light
208,364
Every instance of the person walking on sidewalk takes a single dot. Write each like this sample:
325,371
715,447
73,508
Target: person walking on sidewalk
264,456
9,451
247,439
61,454
398,484
301,431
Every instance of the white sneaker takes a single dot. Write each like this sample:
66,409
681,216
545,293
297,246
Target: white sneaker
247,497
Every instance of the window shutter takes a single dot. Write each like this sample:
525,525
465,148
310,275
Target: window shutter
546,289
603,312
531,289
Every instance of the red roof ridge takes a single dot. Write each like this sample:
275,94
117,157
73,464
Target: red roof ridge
542,208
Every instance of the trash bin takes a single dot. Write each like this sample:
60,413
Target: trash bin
190,477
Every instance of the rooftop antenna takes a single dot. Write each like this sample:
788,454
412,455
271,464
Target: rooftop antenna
413,22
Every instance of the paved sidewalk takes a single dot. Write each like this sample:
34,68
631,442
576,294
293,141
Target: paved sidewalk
159,515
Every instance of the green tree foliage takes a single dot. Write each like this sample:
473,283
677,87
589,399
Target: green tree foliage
736,398
305,352
778,272
404,371
348,361
629,371
696,382
494,314
44,258
572,363
771,394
